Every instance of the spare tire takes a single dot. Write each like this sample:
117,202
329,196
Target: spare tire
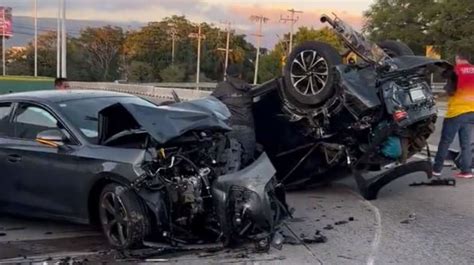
395,48
309,73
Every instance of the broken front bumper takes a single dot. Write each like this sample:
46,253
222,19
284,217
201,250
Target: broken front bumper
248,202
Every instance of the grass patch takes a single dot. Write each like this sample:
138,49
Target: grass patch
26,78
12,84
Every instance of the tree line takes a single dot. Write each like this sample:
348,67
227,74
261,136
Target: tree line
445,24
144,55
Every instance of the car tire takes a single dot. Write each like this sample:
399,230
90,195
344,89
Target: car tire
123,217
396,48
310,86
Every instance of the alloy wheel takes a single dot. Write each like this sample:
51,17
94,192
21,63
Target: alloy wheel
309,73
114,219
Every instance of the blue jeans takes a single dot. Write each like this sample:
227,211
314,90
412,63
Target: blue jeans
461,124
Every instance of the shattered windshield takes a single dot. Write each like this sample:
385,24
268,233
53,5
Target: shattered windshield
83,113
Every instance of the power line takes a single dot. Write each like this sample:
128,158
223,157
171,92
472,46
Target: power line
228,30
260,20
292,19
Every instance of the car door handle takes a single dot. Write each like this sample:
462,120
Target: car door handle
14,158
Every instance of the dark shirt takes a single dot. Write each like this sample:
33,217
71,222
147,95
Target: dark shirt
235,94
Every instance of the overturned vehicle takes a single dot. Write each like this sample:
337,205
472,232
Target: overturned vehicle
324,119
191,180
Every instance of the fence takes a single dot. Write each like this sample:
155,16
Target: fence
185,91
143,90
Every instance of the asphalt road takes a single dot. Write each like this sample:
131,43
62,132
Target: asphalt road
405,225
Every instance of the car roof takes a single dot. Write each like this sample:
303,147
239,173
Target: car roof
57,96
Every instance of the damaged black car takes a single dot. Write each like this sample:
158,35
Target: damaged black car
145,173
337,119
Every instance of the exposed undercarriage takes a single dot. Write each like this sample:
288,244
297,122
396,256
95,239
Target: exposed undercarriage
333,118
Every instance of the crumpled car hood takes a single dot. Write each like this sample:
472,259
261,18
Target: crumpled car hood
164,123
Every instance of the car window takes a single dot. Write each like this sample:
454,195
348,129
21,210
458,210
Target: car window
84,113
36,116
5,125
31,120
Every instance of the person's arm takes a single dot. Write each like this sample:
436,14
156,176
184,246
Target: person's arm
219,92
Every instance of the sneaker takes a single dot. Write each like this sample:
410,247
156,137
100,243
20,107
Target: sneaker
464,175
436,174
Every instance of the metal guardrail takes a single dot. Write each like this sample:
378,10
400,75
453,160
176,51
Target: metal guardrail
142,90
206,86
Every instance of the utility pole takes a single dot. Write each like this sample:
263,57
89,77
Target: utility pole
227,50
292,19
64,42
260,20
58,42
3,40
198,36
36,36
173,32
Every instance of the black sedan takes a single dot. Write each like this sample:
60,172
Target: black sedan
133,167
51,164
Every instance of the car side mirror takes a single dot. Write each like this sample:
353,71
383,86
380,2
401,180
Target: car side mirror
52,138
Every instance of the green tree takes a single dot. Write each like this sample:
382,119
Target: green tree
325,34
173,73
140,72
152,44
409,21
46,54
270,67
17,62
101,48
453,28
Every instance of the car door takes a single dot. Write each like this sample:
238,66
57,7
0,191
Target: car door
42,177
6,133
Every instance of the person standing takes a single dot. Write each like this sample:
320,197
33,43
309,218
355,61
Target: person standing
459,117
235,94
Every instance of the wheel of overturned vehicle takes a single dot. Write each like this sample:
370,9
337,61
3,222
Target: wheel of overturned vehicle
123,217
395,48
309,73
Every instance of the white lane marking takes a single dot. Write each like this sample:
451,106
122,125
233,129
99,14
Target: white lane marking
378,233
378,228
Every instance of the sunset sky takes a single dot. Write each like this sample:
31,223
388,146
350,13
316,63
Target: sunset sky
213,11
